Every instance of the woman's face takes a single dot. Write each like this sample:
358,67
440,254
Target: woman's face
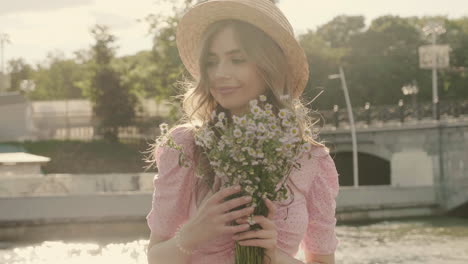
233,78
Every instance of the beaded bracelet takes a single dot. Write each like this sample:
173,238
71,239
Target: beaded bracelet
177,239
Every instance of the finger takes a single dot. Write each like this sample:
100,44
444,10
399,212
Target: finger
264,243
220,195
229,217
242,220
260,234
232,204
271,208
264,222
236,229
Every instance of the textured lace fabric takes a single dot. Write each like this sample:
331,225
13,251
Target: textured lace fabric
307,223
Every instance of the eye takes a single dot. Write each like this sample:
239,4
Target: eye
238,61
210,63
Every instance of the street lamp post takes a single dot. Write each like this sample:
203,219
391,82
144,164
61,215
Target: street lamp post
351,123
412,90
439,59
4,39
434,29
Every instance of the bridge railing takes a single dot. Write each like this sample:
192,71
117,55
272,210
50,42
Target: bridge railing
401,112
81,126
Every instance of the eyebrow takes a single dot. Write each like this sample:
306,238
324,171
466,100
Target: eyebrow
234,51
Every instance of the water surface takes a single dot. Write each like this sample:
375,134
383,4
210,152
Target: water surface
413,241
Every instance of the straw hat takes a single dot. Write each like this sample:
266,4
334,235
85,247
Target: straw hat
261,13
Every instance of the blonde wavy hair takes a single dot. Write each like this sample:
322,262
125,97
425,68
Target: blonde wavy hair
198,103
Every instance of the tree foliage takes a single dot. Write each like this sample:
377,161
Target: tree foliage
113,102
19,70
378,60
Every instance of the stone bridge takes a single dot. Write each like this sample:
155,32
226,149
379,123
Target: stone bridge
426,153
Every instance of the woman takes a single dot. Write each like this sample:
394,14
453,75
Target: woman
237,50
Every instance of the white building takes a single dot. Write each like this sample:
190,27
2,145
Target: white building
15,118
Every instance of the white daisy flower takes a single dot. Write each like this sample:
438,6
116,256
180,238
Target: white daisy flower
252,152
219,124
236,119
261,128
256,110
283,113
263,98
221,116
306,147
273,126
294,131
253,102
243,121
237,133
221,146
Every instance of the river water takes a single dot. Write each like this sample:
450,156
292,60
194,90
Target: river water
413,241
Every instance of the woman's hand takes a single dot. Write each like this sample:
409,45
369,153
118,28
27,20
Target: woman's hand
265,237
214,218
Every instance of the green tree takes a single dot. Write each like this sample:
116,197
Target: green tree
453,81
339,32
57,78
167,68
113,103
326,49
19,70
382,60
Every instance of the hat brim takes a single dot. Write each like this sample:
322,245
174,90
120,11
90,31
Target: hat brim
194,23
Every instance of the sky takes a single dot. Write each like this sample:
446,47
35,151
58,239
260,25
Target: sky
37,27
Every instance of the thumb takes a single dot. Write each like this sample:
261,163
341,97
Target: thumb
271,208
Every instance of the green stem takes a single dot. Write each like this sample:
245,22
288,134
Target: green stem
252,255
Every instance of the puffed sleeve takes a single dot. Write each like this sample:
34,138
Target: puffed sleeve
172,186
320,237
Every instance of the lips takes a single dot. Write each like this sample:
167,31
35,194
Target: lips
227,89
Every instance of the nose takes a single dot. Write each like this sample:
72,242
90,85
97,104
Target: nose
222,70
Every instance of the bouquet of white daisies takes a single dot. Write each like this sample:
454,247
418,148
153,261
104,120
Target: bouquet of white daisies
257,151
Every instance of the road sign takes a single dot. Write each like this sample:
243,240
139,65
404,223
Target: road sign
427,53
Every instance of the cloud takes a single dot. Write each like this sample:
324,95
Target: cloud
20,6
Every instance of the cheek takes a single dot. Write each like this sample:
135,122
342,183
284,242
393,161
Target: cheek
257,84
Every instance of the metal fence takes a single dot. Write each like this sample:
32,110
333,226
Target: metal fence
397,113
47,128
84,127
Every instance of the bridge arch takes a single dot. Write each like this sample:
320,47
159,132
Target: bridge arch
373,169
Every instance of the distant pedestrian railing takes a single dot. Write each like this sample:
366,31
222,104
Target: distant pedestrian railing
400,113
143,128
83,127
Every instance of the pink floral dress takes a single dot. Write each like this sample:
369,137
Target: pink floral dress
310,223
